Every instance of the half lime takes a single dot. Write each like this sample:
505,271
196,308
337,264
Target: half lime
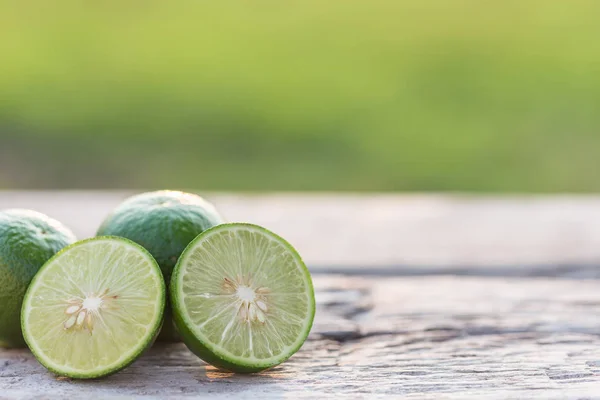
94,307
243,300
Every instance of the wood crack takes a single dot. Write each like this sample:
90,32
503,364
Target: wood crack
427,337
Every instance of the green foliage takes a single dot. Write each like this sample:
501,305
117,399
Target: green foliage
312,95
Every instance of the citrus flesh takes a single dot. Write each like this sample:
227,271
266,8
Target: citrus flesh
243,300
163,222
94,307
27,240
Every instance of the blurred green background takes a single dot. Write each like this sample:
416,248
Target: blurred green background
302,95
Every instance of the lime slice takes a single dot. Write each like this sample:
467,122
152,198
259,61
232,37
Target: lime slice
242,298
94,307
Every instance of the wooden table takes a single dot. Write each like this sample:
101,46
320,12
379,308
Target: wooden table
421,296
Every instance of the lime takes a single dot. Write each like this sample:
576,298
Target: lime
243,300
94,307
163,222
27,240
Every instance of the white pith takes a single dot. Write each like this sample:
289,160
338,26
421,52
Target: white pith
83,312
251,301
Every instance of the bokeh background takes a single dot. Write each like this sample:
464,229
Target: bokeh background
482,96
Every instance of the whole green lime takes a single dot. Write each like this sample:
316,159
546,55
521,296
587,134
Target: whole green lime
163,222
27,240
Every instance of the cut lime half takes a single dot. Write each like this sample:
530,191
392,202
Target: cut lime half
94,307
242,298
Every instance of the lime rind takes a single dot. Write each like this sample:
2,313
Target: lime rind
218,355
126,358
27,240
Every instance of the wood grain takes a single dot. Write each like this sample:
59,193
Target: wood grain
422,337
392,234
422,297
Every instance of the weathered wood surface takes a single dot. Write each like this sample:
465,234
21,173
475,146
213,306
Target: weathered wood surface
526,329
427,337
415,234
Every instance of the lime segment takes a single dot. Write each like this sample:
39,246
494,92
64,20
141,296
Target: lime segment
94,307
243,299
